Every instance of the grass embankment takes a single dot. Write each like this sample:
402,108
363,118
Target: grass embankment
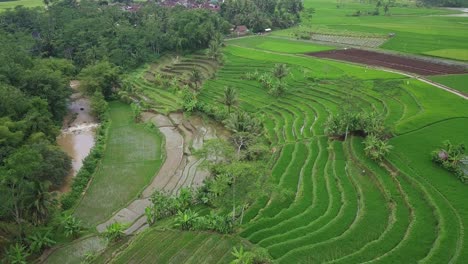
457,82
133,156
417,30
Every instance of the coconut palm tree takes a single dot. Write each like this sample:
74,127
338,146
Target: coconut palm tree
230,98
196,78
280,71
42,202
72,226
243,122
376,148
214,51
40,240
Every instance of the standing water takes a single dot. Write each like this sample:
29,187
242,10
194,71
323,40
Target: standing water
78,132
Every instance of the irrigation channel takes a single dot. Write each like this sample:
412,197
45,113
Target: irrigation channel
77,135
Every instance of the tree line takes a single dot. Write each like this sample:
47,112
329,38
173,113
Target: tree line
258,15
87,32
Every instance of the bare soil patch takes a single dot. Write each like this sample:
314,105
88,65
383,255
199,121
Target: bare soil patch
396,62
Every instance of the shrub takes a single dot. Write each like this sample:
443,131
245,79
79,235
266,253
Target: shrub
261,256
186,220
251,75
219,223
277,89
40,241
241,256
189,100
99,106
215,112
257,256
16,254
114,232
376,148
72,226
164,205
361,123
449,156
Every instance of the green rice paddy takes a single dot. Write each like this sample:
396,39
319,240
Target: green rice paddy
422,31
157,246
132,158
458,82
343,207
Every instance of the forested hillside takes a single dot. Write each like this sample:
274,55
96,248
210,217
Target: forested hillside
41,51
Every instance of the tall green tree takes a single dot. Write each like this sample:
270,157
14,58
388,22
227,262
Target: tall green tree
196,77
42,203
99,106
102,77
230,98
214,51
376,148
280,71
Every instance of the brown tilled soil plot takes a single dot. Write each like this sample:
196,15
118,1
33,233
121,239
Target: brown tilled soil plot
400,63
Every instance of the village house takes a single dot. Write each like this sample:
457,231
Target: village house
241,30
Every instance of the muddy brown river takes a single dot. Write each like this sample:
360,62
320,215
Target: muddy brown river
77,134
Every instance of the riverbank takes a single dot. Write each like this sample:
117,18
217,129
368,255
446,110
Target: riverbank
78,132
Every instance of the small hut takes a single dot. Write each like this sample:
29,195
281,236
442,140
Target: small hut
241,30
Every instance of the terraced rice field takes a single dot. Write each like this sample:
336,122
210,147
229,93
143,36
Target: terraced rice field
160,99
156,246
339,206
343,207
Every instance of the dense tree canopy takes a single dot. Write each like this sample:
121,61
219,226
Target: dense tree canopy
90,32
258,15
41,50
